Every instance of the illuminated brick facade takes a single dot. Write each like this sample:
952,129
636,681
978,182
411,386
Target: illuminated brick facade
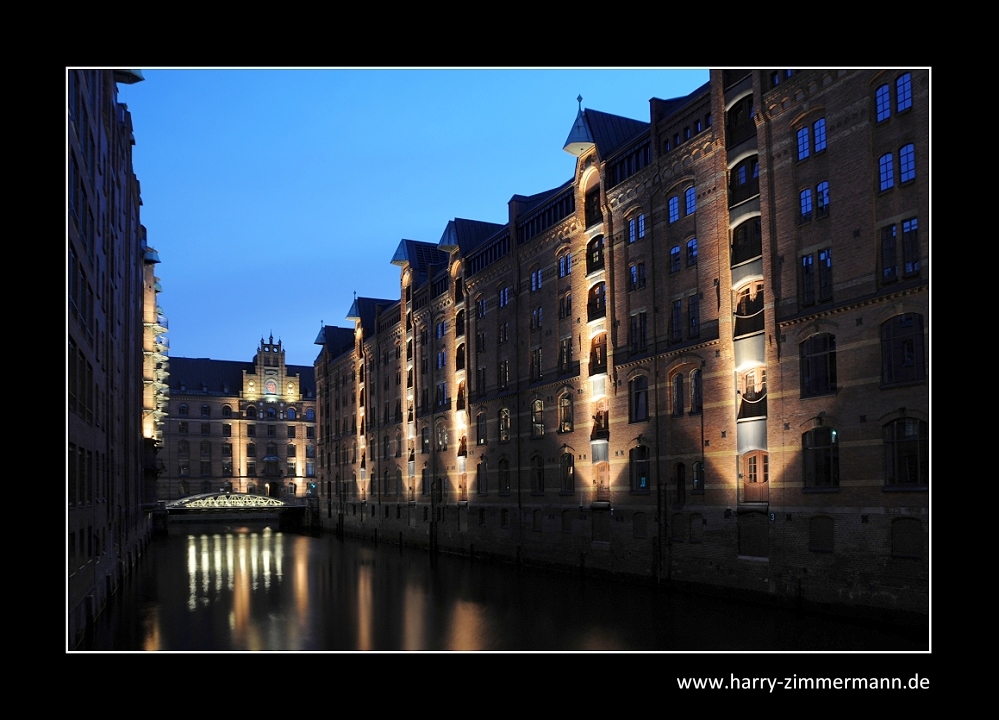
703,358
238,426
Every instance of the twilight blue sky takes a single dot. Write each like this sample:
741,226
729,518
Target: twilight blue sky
273,195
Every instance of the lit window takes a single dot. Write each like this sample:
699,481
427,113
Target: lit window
537,418
887,171
639,466
803,144
903,92
882,97
822,199
907,162
819,134
565,413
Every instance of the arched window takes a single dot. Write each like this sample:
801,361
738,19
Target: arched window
385,447
271,413
310,415
291,413
459,323
678,397
504,425
820,453
903,356
674,259
537,418
696,391
537,474
639,465
480,428
504,476
818,365
697,478
567,473
565,412
480,477
441,436
598,353
691,252
182,410
638,399
907,453
595,254
690,200
596,304
206,411
459,357
251,412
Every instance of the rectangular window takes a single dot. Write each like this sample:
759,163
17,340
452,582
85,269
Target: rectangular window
565,355
182,428
910,246
206,429
882,98
903,92
803,144
504,297
504,332
535,281
825,275
889,270
291,431
819,134
632,230
638,332
806,205
251,430
693,316
822,199
887,171
637,276
641,225
674,209
907,162
676,323
807,280
536,364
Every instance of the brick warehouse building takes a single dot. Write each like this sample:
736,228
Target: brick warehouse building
702,359
116,357
239,426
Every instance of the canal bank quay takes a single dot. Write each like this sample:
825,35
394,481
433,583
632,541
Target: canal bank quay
448,531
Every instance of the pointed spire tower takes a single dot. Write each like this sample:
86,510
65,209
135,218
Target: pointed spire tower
580,138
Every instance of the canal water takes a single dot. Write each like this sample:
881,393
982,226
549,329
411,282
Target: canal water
256,588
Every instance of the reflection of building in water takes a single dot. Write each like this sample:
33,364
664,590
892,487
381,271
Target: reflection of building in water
703,357
242,427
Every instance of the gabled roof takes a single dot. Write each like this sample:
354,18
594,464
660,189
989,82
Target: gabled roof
665,108
336,339
610,132
365,310
204,376
420,256
467,234
526,203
